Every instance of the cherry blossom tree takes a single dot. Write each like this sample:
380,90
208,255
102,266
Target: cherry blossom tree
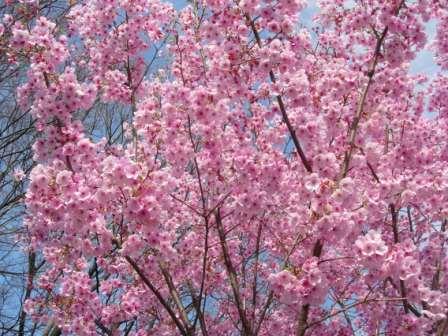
19,266
17,134
273,179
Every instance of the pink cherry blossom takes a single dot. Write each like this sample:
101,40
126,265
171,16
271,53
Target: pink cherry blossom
371,244
271,178
18,175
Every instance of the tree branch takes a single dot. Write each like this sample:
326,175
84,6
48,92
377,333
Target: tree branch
281,105
247,330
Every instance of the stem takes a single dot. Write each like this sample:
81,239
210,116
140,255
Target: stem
29,288
406,306
355,123
175,295
158,295
254,286
302,320
247,330
199,315
370,73
281,105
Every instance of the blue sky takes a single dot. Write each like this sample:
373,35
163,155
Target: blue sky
424,62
